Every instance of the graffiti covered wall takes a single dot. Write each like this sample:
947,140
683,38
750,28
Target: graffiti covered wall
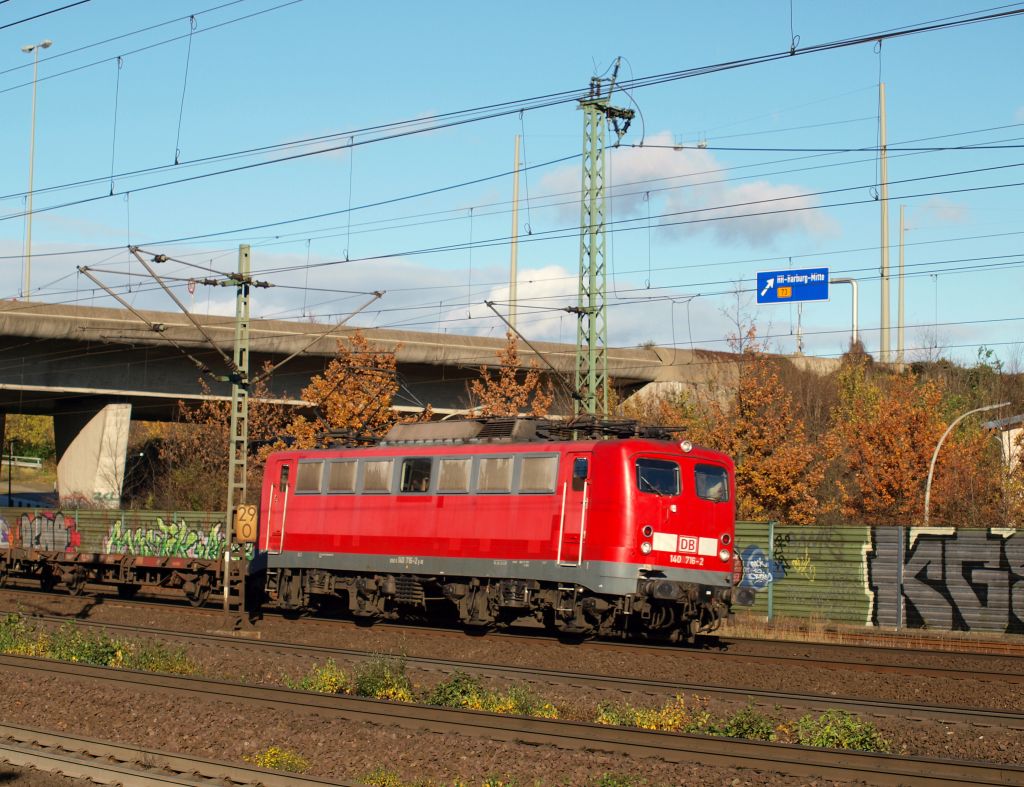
941,578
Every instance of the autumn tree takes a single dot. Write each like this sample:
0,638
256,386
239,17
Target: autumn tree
193,452
354,395
511,392
777,474
884,429
32,435
970,487
1014,480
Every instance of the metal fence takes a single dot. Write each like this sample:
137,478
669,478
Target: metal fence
899,577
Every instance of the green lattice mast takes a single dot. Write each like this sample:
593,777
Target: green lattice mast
591,313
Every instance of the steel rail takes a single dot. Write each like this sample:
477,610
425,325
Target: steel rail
879,769
712,645
87,758
829,662
531,674
790,701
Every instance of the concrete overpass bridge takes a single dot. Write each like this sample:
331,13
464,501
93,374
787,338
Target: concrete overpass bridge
95,369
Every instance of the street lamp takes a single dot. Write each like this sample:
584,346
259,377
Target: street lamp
32,49
931,468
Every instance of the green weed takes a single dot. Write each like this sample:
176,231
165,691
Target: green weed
466,691
278,759
381,777
747,723
616,780
328,678
382,678
838,729
673,716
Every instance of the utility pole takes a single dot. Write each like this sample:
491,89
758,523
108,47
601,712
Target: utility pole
591,310
238,438
32,49
883,352
900,314
513,274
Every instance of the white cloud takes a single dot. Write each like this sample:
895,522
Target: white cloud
685,189
941,211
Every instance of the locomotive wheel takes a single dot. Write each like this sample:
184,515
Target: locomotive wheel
3,574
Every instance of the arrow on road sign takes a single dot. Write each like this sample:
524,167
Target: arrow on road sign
768,286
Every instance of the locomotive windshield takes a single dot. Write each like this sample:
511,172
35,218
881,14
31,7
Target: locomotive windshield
657,476
712,482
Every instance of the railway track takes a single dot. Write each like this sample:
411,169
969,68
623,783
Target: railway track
672,747
106,763
565,679
908,647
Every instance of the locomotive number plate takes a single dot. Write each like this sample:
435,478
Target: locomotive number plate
687,544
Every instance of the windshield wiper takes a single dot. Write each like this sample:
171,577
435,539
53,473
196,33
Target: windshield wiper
651,487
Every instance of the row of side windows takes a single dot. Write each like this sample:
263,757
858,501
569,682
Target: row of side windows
523,474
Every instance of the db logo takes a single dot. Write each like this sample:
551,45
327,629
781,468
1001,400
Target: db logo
687,544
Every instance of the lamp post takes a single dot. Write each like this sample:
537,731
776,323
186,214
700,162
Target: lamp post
10,472
853,285
32,49
931,468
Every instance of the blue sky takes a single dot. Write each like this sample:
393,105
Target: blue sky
316,68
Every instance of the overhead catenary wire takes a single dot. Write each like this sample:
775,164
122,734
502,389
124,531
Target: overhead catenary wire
573,95
42,14
615,195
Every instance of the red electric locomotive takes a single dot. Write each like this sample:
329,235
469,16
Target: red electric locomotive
495,521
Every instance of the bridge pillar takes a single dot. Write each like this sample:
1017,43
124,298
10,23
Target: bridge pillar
92,441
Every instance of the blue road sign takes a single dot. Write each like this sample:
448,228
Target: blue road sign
810,284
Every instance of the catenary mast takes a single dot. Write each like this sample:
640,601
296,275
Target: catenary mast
591,310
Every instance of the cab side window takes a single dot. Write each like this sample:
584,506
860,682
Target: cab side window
416,474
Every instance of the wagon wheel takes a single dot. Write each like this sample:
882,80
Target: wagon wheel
47,580
127,591
75,582
198,594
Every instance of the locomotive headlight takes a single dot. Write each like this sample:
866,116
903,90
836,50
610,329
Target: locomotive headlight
726,539
687,446
646,547
724,554
647,531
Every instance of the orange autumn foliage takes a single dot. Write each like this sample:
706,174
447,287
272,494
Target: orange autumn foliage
195,450
511,393
353,396
880,444
761,428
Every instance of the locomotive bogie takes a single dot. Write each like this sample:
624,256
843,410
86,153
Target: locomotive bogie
655,609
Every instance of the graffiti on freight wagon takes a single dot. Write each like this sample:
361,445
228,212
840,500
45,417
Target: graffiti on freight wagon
952,578
51,531
169,539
